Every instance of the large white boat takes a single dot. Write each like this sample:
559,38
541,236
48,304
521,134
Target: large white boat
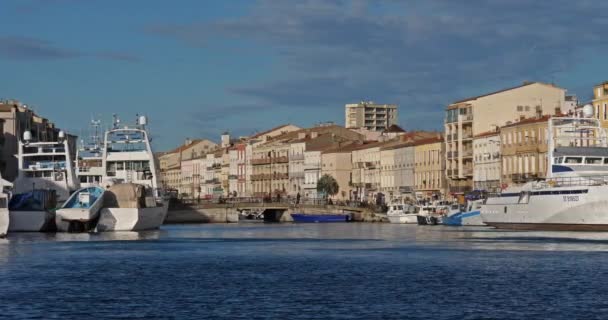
45,179
128,160
89,160
574,196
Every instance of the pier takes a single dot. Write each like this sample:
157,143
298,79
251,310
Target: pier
227,211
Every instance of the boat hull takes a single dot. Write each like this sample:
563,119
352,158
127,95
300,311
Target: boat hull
131,219
300,217
31,221
564,209
76,220
403,218
4,221
471,218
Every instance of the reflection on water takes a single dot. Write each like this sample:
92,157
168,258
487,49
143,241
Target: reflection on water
304,271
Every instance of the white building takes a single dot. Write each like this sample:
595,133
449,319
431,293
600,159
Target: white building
487,161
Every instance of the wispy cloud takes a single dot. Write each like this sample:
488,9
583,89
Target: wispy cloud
28,48
421,55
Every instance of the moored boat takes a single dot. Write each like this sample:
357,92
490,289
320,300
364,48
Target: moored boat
573,195
134,200
401,212
131,207
45,178
4,216
329,217
470,216
80,212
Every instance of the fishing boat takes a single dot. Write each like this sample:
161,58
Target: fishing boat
80,212
45,179
433,213
401,212
573,195
89,161
470,216
329,217
134,200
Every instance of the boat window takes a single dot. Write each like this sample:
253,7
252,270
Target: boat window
559,160
573,160
590,160
605,160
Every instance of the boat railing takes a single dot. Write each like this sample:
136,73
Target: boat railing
584,181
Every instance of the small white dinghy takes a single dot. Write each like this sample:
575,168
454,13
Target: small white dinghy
81,212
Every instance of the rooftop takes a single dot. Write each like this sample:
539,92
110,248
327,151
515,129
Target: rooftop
524,84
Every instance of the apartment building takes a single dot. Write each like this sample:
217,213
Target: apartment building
270,168
429,168
487,164
337,163
366,170
472,116
397,169
370,115
524,150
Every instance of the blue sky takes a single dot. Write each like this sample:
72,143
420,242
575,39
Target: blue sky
198,68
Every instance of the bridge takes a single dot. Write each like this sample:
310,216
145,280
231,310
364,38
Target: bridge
272,210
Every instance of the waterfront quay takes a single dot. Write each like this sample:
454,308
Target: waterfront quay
232,210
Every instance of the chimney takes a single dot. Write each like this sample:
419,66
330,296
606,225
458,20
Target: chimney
314,134
301,135
188,142
225,139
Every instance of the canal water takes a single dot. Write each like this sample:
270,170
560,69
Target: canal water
305,271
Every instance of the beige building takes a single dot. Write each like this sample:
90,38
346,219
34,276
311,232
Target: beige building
429,168
337,162
472,116
600,102
172,177
370,115
524,150
487,163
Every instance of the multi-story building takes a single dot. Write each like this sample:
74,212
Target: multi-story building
397,169
524,150
429,168
189,176
600,102
270,169
370,115
366,170
487,161
337,163
472,116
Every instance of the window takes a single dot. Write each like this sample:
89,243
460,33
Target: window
520,108
592,160
573,160
605,111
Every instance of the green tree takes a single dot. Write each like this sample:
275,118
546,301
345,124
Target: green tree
328,185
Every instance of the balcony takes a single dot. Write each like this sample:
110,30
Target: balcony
260,161
212,181
467,171
452,154
467,135
467,153
296,157
283,159
233,177
465,117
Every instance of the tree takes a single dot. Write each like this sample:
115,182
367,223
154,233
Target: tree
328,185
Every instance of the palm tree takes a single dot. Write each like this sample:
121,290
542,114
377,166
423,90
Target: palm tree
328,185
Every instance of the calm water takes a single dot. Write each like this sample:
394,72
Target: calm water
316,271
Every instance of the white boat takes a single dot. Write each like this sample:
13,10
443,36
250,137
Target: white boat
45,178
433,213
574,194
4,216
89,161
401,212
470,216
128,160
80,212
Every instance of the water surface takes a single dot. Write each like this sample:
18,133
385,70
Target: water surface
305,271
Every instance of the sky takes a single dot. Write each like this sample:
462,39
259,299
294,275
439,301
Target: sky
198,68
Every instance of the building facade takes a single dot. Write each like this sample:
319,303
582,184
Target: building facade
370,115
429,168
472,116
524,150
487,161
600,102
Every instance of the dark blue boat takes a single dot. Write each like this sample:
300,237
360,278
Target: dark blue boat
302,217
